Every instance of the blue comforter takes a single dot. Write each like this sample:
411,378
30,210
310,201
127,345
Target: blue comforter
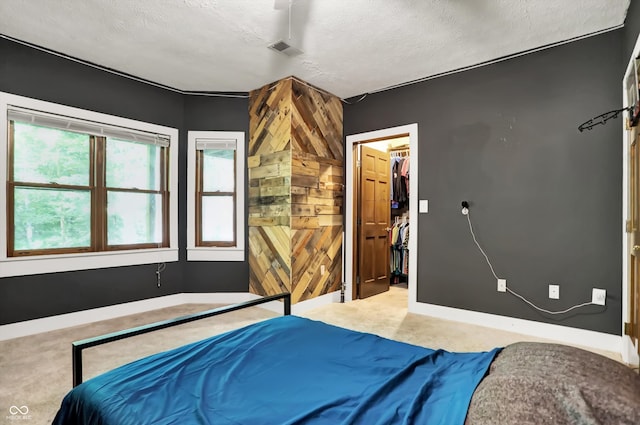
286,370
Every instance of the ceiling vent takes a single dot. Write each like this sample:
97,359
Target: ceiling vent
285,48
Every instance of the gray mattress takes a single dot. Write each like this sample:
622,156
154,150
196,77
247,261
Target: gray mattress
536,383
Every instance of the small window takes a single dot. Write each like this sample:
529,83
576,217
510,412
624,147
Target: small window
216,196
82,184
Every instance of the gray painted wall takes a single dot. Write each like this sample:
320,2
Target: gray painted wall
207,113
545,199
29,72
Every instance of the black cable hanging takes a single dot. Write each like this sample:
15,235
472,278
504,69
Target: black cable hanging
603,118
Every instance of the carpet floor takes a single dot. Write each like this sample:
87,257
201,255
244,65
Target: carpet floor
35,371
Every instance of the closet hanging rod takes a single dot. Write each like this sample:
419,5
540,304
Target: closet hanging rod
399,148
402,154
399,151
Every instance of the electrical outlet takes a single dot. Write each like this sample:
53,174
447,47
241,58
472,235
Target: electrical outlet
465,208
554,292
502,285
321,269
599,296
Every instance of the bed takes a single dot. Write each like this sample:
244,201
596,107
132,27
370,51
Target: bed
291,370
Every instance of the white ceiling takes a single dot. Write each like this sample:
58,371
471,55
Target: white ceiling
350,47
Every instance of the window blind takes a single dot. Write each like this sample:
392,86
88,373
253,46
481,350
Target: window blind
61,122
218,144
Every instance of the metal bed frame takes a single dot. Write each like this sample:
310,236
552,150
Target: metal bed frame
78,346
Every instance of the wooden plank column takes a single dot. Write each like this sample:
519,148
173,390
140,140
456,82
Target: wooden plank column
296,194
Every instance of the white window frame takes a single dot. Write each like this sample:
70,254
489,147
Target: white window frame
210,253
20,266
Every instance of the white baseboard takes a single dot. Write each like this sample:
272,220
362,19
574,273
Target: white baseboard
52,323
302,306
216,297
630,351
565,334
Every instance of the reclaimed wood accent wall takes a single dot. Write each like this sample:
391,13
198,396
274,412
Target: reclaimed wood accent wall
296,184
269,162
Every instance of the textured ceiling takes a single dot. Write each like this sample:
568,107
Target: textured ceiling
350,47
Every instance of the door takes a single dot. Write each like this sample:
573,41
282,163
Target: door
632,328
374,215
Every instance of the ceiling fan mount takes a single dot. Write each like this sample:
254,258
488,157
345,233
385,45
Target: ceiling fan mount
282,4
282,46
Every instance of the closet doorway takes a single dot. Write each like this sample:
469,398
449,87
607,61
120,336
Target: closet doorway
376,210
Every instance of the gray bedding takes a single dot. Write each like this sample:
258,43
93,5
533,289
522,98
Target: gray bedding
535,383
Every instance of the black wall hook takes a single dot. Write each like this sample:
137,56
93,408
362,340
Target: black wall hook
602,119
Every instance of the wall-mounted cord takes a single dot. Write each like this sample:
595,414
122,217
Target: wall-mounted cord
160,268
319,90
358,100
465,212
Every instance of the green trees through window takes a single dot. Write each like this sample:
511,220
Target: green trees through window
217,197
134,199
74,192
52,194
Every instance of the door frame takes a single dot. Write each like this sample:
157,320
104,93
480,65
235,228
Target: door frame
629,350
349,173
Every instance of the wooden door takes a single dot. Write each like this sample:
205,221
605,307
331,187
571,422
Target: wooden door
374,215
632,328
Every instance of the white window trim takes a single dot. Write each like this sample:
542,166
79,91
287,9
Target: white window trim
13,266
206,253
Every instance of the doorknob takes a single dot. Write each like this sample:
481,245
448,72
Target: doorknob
636,247
386,229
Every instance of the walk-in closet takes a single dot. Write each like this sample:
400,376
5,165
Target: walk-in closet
383,222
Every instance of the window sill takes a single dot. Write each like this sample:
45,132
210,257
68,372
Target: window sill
92,260
215,254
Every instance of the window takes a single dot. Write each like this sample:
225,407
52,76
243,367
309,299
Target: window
215,196
84,190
